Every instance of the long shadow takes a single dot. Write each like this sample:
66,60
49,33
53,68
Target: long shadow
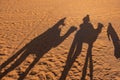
111,33
86,34
38,46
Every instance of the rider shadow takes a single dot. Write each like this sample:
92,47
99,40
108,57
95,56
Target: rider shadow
111,33
38,46
86,34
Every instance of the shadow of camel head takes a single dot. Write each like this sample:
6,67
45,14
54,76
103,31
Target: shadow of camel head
100,25
62,21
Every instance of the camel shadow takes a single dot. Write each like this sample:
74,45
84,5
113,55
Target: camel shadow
38,46
86,34
112,35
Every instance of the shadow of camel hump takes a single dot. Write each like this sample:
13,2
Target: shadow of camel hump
38,46
86,34
112,35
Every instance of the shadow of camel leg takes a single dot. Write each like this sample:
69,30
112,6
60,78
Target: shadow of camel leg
14,65
71,51
11,58
70,62
88,58
90,62
29,68
85,68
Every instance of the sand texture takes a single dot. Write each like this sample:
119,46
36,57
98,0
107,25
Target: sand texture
59,39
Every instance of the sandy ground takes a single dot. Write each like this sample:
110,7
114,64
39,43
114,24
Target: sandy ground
27,22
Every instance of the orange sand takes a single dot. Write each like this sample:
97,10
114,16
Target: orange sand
23,20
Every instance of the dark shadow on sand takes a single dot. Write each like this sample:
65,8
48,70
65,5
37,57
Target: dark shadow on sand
112,35
38,46
86,34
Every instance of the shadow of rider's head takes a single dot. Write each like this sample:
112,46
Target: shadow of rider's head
86,19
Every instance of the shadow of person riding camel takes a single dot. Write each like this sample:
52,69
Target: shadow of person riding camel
38,46
112,35
86,34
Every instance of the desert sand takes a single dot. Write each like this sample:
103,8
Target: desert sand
37,40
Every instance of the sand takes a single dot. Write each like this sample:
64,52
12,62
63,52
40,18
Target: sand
27,31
